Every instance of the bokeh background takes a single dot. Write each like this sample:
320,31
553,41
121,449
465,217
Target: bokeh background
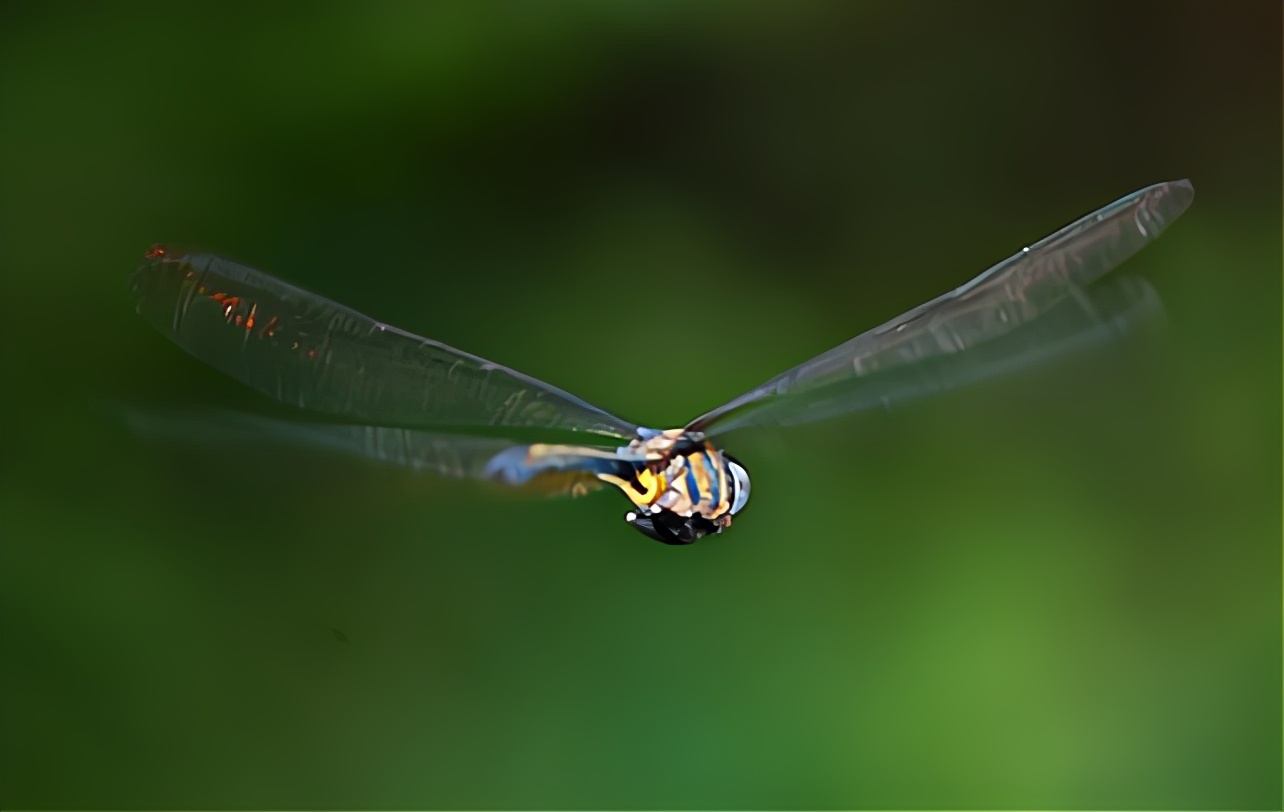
1062,590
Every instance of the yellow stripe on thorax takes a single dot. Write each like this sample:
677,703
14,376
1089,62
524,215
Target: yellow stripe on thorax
648,487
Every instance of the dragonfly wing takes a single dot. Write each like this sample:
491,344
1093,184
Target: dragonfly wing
1090,318
570,470
312,353
996,304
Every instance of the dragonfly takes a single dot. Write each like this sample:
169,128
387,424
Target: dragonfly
372,389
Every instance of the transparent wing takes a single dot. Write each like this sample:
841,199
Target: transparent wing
1089,318
312,353
955,338
535,469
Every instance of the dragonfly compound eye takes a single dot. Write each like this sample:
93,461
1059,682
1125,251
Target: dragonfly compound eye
739,479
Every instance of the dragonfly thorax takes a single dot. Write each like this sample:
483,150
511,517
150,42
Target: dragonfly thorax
686,489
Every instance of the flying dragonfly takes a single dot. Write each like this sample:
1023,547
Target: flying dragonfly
389,395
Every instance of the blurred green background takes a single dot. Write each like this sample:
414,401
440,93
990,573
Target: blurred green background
1058,591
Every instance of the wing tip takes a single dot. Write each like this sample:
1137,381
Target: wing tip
173,253
1170,200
